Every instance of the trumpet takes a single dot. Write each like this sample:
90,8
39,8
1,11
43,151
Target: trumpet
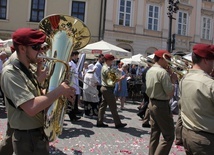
147,60
178,64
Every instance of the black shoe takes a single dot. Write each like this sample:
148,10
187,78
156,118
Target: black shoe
141,116
179,142
79,112
102,125
122,125
146,125
75,118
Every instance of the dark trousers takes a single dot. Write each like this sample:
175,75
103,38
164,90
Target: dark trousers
2,96
108,99
6,146
99,94
178,129
30,143
145,106
161,123
73,108
197,142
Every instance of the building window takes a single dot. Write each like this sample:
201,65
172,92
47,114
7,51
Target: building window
78,10
37,10
206,28
182,23
153,16
125,12
3,9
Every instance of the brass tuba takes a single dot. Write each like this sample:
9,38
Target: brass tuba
64,34
113,75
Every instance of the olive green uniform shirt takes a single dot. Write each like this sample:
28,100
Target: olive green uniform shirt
104,75
158,83
197,101
19,89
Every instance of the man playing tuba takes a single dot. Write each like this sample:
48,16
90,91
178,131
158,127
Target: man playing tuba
24,101
108,82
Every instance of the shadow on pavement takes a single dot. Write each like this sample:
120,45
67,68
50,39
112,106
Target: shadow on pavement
83,123
54,150
109,117
132,110
133,131
74,132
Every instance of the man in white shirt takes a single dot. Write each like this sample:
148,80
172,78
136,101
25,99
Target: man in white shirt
98,66
75,84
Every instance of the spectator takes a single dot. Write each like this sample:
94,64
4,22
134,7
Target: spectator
90,85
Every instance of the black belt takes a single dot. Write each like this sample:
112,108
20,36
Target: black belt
30,130
158,100
111,87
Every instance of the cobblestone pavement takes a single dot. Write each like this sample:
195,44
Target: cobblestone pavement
84,138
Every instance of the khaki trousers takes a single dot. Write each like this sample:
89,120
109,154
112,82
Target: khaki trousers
178,128
108,99
30,143
197,142
146,118
161,123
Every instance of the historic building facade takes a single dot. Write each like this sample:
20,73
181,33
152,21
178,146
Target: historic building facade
140,26
28,13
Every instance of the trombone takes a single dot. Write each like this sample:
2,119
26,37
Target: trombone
147,60
178,64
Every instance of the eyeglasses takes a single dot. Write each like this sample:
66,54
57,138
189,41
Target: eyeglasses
36,47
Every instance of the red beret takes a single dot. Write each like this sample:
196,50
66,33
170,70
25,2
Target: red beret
204,50
109,57
159,53
28,37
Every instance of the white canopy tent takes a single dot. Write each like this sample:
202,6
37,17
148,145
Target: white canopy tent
135,60
102,47
188,56
5,46
6,43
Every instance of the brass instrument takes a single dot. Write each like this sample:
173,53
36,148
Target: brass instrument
113,75
72,73
147,60
64,34
178,64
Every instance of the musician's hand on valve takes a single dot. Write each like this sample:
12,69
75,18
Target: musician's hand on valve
43,74
68,92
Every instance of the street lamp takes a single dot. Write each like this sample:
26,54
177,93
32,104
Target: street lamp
173,8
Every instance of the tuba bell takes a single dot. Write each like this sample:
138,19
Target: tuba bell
64,34
113,75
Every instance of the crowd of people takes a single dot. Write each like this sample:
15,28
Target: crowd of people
26,101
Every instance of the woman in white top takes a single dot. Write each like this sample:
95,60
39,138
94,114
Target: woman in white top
89,88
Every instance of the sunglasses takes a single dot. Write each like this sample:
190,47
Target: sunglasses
36,47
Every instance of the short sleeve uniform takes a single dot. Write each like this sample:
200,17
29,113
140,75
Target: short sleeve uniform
158,83
197,101
19,89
